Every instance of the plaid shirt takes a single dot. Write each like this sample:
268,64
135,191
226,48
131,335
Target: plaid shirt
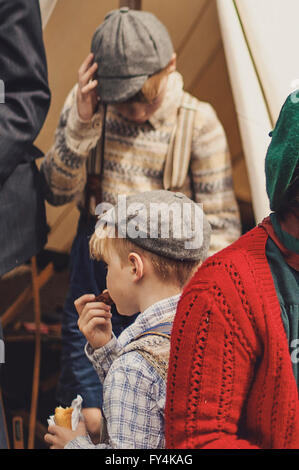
134,393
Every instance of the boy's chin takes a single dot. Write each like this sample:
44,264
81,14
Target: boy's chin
139,121
125,312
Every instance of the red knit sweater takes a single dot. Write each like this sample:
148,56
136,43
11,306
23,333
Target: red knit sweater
230,379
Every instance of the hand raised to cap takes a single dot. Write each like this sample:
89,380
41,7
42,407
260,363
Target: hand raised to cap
87,97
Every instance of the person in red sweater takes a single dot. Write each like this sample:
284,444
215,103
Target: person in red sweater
233,370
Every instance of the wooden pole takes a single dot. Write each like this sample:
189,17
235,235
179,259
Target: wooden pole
25,297
37,356
4,440
132,4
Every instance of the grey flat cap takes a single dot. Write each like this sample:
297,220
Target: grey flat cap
129,46
163,222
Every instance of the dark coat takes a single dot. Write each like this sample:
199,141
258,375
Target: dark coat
23,70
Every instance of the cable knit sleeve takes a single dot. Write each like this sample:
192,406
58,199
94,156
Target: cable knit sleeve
64,166
214,351
212,177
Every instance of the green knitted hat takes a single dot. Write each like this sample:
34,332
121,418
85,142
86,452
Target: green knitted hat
283,152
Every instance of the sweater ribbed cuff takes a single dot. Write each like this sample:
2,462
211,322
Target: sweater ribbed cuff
81,135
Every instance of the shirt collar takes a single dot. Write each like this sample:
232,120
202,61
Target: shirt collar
171,101
151,317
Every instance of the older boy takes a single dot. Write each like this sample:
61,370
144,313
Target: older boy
144,274
113,138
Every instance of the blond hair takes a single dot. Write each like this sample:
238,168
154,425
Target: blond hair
150,89
166,269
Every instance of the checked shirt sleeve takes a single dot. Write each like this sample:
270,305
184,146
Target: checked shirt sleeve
134,400
103,358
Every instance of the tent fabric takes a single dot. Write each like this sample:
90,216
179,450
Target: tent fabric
46,7
260,87
273,36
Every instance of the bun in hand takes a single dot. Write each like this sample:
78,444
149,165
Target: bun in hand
63,417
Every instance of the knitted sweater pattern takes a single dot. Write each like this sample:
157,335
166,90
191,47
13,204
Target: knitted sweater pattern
230,382
154,348
135,156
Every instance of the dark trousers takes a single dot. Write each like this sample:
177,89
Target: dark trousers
86,277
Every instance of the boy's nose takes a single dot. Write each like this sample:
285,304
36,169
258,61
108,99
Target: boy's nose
138,115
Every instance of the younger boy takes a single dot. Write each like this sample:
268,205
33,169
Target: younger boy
144,274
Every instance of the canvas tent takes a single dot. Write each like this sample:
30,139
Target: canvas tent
263,71
226,54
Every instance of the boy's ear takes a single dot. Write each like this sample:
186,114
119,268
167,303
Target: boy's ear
171,67
136,266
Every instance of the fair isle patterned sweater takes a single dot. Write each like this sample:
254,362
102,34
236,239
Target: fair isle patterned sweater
135,157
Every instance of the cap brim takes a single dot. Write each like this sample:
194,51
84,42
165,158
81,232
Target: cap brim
118,90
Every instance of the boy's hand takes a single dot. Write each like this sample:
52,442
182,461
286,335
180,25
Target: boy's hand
94,320
58,437
87,98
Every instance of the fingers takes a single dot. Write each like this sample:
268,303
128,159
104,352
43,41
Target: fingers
88,329
99,306
89,72
86,64
82,301
88,309
91,314
57,437
53,429
93,318
89,87
50,438
95,312
85,75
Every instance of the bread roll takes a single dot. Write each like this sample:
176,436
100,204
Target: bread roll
63,417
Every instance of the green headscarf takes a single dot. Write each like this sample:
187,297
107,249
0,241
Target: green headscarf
283,152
